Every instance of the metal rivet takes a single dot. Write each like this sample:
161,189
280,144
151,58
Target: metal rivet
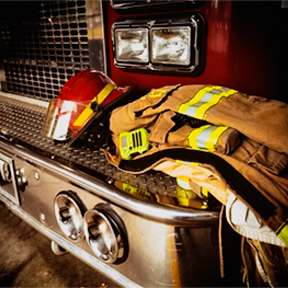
36,176
22,171
42,217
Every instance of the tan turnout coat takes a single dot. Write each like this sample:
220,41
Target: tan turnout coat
255,144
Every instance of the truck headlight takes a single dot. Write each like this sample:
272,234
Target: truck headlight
167,45
171,46
131,45
69,211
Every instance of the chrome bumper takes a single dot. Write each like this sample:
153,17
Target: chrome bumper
167,245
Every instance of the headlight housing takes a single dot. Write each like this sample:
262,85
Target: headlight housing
132,45
167,45
171,46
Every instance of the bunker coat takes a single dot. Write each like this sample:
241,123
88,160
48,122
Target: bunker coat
226,141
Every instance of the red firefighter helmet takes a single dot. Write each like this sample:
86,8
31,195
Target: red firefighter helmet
86,96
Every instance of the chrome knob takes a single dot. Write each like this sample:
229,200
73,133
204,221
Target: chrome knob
105,236
69,211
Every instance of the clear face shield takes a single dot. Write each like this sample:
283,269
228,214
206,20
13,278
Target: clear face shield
63,119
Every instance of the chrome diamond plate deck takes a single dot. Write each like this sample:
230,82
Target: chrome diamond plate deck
22,122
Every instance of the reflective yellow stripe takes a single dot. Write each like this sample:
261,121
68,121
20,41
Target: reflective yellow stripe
196,99
206,137
203,100
88,112
156,93
187,162
201,111
138,192
183,182
282,232
215,136
204,191
104,92
193,136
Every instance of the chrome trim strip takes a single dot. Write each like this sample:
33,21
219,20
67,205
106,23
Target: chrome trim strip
25,99
153,211
106,270
14,198
105,56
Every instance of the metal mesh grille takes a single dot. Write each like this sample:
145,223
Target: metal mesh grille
41,53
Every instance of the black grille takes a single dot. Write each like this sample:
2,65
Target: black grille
137,139
42,45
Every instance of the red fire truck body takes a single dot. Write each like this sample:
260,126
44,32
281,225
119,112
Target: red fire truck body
132,228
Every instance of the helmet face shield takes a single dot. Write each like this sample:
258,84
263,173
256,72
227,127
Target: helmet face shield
61,116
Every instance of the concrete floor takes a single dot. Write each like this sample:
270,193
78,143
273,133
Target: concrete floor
26,259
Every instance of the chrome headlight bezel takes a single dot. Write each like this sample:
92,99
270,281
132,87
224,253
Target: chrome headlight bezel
124,6
193,24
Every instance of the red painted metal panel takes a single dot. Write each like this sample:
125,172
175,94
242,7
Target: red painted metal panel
245,49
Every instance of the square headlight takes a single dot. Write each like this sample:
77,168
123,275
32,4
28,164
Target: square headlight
168,45
171,46
131,45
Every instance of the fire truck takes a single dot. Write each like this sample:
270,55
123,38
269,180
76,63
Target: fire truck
140,230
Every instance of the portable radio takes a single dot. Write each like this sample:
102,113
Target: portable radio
133,142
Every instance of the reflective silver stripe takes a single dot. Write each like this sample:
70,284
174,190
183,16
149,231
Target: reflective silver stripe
206,137
203,100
